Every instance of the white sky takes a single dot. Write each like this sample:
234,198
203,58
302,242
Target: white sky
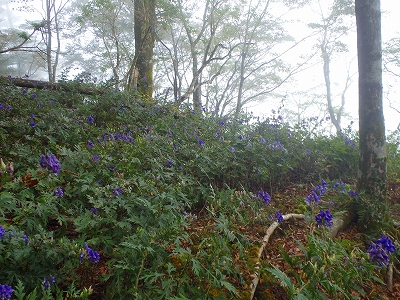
338,70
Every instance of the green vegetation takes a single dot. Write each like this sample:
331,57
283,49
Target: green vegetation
118,196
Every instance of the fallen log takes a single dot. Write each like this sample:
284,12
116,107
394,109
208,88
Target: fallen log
38,84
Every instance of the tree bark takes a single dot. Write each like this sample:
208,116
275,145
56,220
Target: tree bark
372,158
144,28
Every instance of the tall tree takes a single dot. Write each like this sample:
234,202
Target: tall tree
110,24
144,29
335,22
52,14
372,158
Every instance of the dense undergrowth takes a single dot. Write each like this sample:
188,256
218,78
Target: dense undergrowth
99,197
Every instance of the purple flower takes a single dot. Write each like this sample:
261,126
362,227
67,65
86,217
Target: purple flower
324,218
90,119
94,211
53,164
32,116
111,168
90,144
32,124
6,292
264,196
353,194
43,161
34,96
378,254
170,162
278,216
96,158
2,231
26,239
46,283
117,192
92,255
59,192
169,132
232,149
386,244
200,142
24,91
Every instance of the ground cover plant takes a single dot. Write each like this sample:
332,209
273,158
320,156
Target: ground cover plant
119,196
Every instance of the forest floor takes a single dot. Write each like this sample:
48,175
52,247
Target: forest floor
294,231
286,236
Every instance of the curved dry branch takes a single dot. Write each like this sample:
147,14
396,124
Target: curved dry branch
265,240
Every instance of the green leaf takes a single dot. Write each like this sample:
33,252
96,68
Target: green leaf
285,280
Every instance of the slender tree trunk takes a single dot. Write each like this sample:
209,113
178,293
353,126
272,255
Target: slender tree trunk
326,66
239,103
57,54
144,28
48,45
372,159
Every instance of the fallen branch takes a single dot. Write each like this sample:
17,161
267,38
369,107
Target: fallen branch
37,84
270,230
389,277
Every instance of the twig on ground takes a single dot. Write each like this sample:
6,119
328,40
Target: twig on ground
270,230
389,277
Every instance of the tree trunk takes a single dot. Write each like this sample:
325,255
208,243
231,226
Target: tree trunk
326,66
372,159
144,28
49,37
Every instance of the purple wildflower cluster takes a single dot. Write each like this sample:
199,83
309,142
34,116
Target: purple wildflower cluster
350,143
47,283
32,122
6,107
51,163
264,196
26,239
114,137
117,192
59,192
379,251
2,232
317,192
278,216
276,145
91,255
324,218
6,292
